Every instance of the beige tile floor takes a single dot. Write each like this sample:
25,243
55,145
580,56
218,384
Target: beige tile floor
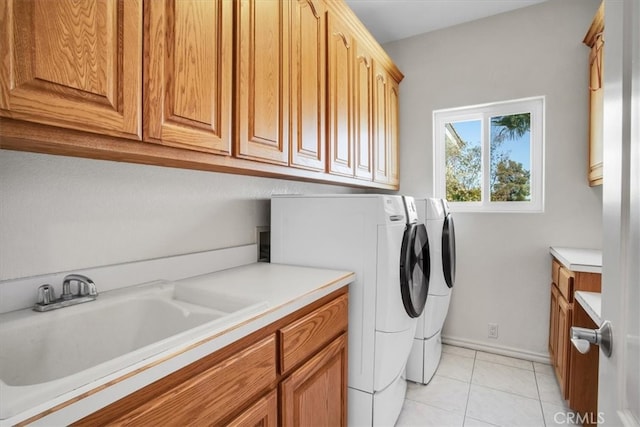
473,388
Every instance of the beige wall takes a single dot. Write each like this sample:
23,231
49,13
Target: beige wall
503,262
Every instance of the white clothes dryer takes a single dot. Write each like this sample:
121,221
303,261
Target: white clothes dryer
427,345
379,238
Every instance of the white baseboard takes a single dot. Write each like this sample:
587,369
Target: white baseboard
497,349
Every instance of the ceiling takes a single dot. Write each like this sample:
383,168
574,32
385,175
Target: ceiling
390,20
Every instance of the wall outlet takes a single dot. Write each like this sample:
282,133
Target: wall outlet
493,330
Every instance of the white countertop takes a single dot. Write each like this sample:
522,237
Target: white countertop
576,259
285,288
591,302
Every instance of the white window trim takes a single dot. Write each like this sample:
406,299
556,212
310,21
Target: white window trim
483,112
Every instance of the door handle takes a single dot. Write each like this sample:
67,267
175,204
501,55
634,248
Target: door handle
582,338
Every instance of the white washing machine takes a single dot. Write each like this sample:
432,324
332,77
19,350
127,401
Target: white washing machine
427,345
380,239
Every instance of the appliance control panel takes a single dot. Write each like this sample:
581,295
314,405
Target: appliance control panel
410,207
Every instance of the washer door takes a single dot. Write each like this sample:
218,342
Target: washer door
449,251
415,268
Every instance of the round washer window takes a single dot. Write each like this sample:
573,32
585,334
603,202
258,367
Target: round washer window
415,268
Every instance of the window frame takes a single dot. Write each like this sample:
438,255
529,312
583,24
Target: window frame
484,112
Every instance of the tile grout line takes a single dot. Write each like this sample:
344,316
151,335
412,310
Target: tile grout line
466,406
535,376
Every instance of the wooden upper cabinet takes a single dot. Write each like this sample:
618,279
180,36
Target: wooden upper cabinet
386,123
340,72
73,64
595,40
262,71
380,123
363,111
188,74
308,84
393,129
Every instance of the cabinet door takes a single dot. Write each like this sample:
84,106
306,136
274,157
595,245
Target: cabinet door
308,84
562,350
553,326
380,123
341,156
363,112
596,102
393,129
263,413
262,80
188,60
316,393
71,64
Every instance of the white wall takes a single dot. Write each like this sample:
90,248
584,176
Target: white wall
63,213
503,262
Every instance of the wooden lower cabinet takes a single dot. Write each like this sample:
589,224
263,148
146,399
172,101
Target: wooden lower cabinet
314,395
583,385
562,349
244,384
565,312
263,413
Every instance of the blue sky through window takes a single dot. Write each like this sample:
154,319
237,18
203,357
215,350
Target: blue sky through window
519,149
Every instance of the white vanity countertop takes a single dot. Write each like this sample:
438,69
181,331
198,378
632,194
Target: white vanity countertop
576,259
285,288
591,302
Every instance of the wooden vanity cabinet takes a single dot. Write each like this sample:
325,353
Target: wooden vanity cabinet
594,39
291,372
583,383
562,312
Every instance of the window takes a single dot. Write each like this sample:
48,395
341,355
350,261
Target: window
489,158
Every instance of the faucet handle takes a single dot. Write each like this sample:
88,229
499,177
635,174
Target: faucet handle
46,294
85,286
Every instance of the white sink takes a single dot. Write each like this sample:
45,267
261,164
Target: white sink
43,355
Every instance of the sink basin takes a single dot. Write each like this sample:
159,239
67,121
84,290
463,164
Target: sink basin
72,346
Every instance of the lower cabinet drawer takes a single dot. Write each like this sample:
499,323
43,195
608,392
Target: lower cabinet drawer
565,283
306,336
555,271
207,397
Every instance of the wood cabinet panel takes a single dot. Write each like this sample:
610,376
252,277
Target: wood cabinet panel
213,394
263,413
340,70
363,112
308,84
595,40
583,383
565,313
262,34
315,394
553,325
393,129
562,351
380,123
75,65
188,69
565,283
307,335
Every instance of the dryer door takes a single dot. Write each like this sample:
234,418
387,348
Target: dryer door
449,251
415,268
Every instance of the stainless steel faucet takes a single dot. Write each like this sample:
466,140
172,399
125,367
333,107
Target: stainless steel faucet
86,292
